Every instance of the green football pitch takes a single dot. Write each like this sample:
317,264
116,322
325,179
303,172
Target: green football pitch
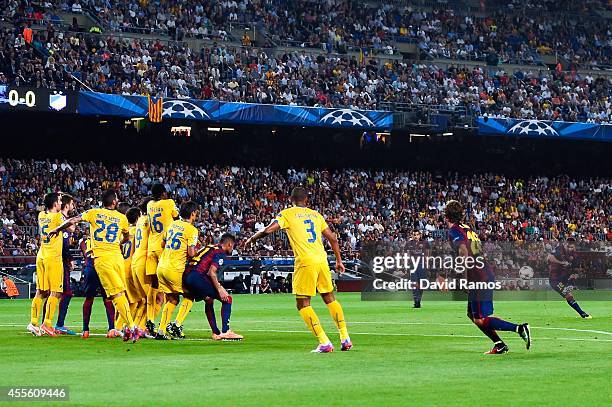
429,356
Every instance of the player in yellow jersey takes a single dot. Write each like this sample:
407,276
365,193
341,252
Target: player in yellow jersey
108,229
134,295
49,267
304,227
139,260
180,243
161,211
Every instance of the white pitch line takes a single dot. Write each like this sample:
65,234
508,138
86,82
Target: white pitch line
593,331
372,334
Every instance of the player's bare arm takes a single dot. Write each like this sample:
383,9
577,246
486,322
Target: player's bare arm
212,273
333,241
126,237
67,224
271,228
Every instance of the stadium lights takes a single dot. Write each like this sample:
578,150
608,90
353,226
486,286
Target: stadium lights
214,129
227,129
137,119
103,121
447,134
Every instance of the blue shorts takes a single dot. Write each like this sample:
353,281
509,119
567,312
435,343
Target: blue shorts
479,309
198,286
91,281
561,285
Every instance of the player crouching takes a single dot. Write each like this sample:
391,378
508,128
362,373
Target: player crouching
201,283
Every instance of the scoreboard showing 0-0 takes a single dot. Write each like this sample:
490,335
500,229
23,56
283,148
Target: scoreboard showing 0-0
37,99
14,99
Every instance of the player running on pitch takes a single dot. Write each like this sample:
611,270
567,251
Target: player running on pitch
559,276
480,301
201,283
304,227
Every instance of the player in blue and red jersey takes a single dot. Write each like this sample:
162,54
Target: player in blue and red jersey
559,276
67,206
200,283
480,301
91,283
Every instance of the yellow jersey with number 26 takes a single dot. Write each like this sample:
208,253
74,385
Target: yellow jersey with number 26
179,237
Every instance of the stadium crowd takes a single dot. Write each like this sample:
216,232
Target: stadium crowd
255,75
361,205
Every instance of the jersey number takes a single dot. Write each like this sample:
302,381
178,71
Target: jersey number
173,242
138,237
45,234
126,249
474,242
311,231
156,225
111,231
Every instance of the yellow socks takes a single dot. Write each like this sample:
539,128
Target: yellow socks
166,315
52,303
36,309
151,303
337,314
184,309
140,316
123,308
312,322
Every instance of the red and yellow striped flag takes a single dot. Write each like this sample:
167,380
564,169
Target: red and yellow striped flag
155,109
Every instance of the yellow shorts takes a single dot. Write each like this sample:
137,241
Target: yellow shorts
110,269
138,275
50,274
152,260
309,279
170,281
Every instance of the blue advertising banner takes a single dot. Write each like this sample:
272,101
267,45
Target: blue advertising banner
91,103
544,129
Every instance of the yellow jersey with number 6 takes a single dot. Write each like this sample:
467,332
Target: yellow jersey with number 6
49,247
161,214
106,228
304,227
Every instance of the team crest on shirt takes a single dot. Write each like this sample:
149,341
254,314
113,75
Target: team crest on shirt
220,262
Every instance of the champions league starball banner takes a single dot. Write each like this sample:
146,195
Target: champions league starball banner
544,129
91,103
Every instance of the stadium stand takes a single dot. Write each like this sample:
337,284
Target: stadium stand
362,205
59,55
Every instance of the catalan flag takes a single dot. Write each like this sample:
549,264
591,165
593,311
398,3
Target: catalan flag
155,109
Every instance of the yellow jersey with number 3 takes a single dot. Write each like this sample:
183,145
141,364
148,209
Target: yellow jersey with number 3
49,247
179,237
304,227
106,228
161,214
